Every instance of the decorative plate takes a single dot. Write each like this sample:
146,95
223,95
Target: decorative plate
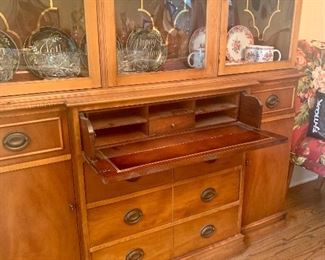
9,57
197,40
84,51
239,37
145,51
51,53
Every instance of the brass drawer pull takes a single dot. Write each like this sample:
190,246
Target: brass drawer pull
272,101
133,216
16,141
207,231
172,125
208,195
136,254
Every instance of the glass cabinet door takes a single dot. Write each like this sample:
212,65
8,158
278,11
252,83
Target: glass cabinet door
43,41
258,35
155,35
161,39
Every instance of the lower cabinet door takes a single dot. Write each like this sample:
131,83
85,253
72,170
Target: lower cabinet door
37,216
155,246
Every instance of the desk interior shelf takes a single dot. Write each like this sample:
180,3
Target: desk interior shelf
216,125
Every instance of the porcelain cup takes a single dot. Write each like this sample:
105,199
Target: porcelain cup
261,53
196,58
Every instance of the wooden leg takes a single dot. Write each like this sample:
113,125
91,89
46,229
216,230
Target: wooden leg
290,172
320,183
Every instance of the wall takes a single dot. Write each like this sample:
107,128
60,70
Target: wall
312,26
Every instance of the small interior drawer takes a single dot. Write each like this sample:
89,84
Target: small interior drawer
201,194
210,165
97,189
130,216
275,100
158,245
204,231
39,135
170,124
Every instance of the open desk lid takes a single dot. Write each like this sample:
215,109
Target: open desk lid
156,154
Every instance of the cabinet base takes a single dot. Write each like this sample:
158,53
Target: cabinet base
263,227
221,250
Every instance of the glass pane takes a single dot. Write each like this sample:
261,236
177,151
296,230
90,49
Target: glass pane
259,30
42,39
160,35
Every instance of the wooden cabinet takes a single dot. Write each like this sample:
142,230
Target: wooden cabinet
38,216
202,202
38,213
139,112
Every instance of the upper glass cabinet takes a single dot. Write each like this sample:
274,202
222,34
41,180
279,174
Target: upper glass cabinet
155,35
258,35
161,39
44,46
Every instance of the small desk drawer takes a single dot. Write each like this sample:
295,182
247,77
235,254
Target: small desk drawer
209,166
202,194
205,231
170,124
97,190
130,216
153,246
275,100
36,134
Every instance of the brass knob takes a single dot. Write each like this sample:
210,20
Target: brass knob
207,231
16,141
172,125
272,101
208,195
136,254
133,216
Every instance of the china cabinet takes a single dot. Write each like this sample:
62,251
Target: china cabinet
143,129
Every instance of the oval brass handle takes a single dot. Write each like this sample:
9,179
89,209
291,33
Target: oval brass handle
16,141
272,101
208,195
207,231
136,254
133,216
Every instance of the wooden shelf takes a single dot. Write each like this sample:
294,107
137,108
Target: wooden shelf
175,112
104,123
116,138
220,119
209,108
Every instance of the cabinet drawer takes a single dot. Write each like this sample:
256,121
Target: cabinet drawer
39,135
169,124
275,100
154,246
123,218
205,231
97,190
209,166
203,194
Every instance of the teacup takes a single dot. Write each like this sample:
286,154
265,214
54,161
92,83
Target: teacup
196,58
261,53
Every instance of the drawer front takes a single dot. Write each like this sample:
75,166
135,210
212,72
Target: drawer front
276,100
38,135
154,246
170,124
205,231
127,217
203,194
210,166
97,190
